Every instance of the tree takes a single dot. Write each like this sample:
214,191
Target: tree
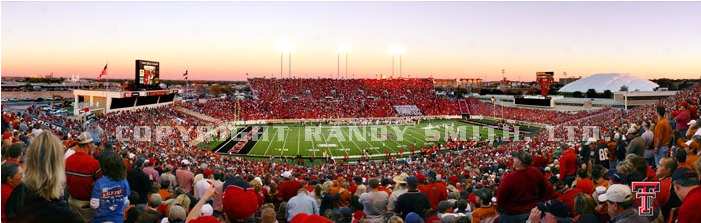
577,94
591,93
607,94
624,88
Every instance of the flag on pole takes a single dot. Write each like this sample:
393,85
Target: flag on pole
185,75
104,72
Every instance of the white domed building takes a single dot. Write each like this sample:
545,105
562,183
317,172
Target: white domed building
610,81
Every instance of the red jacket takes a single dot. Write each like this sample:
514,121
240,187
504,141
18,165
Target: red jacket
81,173
520,191
689,211
568,164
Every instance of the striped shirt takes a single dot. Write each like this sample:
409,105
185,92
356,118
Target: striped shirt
82,171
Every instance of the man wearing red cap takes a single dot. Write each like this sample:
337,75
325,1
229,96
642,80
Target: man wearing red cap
239,200
436,191
152,172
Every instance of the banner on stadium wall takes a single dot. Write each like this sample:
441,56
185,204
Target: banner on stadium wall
83,110
156,93
476,117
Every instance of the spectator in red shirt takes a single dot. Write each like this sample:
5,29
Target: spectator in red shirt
665,168
568,166
436,191
81,172
289,187
686,185
11,176
520,190
584,183
682,118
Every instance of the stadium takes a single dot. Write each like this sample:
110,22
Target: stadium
332,131
350,112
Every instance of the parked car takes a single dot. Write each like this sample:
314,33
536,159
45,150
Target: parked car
27,99
39,99
14,99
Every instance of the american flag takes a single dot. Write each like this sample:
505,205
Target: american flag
104,72
185,75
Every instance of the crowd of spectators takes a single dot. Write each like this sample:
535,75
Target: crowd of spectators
547,177
551,117
329,98
355,98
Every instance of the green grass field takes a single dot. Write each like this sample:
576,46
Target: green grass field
291,140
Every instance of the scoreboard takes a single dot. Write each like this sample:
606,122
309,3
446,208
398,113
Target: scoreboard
147,74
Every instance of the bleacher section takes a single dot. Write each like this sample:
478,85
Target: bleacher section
331,98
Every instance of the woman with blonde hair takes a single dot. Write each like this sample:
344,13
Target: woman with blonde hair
395,219
38,197
355,203
326,197
183,201
585,208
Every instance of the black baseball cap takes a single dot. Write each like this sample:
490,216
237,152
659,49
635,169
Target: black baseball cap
555,207
685,177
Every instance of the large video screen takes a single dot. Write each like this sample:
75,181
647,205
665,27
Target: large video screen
520,100
147,73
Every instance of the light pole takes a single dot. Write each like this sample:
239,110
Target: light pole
289,70
342,48
391,76
396,50
346,64
285,47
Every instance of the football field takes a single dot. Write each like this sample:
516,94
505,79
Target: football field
331,140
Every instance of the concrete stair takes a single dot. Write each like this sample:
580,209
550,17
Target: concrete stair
198,115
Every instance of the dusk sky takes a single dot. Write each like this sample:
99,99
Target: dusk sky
226,40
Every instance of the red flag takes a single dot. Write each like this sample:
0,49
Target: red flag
104,72
185,75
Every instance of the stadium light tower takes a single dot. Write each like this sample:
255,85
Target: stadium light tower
342,48
286,47
395,50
